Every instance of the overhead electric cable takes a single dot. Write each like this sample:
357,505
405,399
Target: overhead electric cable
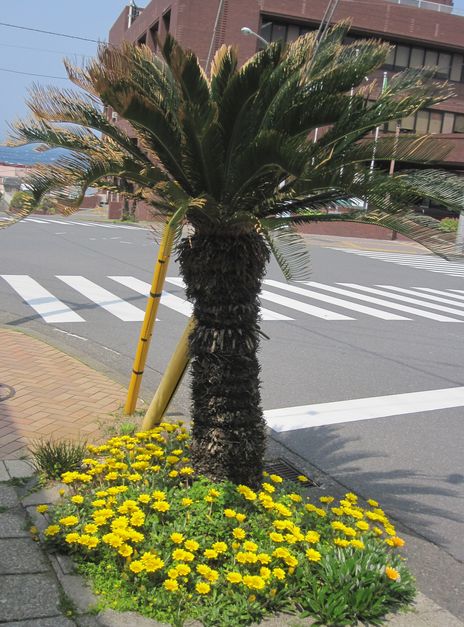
48,32
4,69
79,54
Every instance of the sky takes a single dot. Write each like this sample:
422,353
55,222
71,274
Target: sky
26,51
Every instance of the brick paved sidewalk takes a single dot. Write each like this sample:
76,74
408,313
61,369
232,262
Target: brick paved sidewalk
48,394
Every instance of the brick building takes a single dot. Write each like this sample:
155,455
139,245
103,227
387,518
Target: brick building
422,33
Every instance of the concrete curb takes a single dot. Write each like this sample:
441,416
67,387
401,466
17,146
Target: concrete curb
72,587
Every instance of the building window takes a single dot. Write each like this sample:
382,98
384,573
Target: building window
458,124
275,31
142,40
167,21
429,121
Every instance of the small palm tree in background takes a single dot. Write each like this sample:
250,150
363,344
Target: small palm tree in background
231,156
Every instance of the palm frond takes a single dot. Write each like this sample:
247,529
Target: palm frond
289,249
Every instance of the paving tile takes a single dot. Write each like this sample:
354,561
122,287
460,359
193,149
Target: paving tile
55,621
4,476
19,469
13,524
21,555
8,496
29,597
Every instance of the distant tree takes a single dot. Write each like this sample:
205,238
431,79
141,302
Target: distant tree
21,200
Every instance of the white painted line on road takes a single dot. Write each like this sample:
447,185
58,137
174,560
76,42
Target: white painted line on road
439,299
266,314
458,291
105,299
442,292
306,416
380,301
142,287
41,300
404,299
85,339
34,220
370,311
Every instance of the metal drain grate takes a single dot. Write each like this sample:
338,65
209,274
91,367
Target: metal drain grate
287,471
6,392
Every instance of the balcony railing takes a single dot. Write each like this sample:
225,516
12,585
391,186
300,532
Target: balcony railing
431,6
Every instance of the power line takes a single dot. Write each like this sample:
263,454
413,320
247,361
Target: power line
48,32
4,69
79,54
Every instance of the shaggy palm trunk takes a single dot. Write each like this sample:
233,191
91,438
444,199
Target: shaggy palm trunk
223,273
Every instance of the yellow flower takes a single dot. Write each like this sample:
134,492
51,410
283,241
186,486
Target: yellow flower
52,530
77,498
161,506
372,503
240,517
71,538
238,533
263,558
182,556
187,470
186,502
351,497
158,495
210,554
151,562
276,478
246,557
177,538
264,572
203,569
246,492
144,498
183,569
69,521
191,545
313,556
357,544
41,509
220,547
173,573
283,511
112,540
234,577
377,531
268,487
302,478
276,537
279,573
312,537
326,499
341,542
255,582
212,575
398,541
137,519
173,474
229,513
136,566
363,525
99,503
202,587
392,573
296,498
125,550
292,561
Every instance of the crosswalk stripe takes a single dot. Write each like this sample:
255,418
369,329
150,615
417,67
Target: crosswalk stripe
380,301
41,300
439,299
406,299
168,300
105,299
421,262
306,416
459,291
442,292
370,311
266,314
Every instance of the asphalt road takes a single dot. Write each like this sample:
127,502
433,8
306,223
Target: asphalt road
411,461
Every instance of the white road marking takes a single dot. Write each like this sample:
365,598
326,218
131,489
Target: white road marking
321,414
41,300
266,314
34,220
458,291
142,287
105,299
79,337
370,311
421,262
380,301
442,292
405,299
439,299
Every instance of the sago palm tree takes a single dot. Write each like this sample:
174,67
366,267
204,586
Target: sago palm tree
232,156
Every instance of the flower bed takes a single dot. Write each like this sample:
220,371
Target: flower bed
154,538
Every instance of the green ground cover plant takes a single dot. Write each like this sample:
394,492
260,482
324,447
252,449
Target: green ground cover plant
449,225
155,538
51,458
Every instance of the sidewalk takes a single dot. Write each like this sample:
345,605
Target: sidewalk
46,393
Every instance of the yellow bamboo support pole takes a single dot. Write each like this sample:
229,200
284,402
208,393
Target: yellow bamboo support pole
146,331
169,383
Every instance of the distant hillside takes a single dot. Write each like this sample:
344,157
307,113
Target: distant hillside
26,155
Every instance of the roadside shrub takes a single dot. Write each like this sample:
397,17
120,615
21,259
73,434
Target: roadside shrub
449,225
51,458
154,538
